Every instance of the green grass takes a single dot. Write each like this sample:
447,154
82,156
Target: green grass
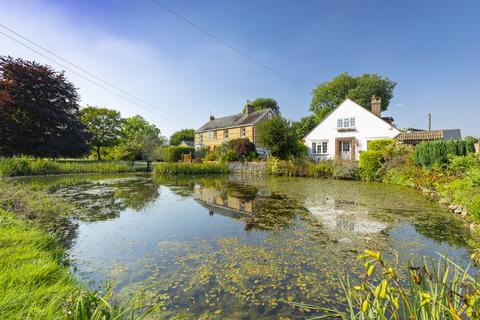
34,283
178,168
26,166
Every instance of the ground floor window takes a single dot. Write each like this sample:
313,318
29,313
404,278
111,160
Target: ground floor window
320,147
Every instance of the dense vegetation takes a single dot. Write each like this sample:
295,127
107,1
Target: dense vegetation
34,283
432,153
104,126
173,153
185,134
234,150
170,169
279,138
39,112
328,95
26,166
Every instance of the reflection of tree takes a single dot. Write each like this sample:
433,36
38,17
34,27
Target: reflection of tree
450,229
136,195
105,199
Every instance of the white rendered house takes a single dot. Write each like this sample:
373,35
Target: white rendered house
347,130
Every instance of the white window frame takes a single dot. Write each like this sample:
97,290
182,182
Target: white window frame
348,122
320,145
210,135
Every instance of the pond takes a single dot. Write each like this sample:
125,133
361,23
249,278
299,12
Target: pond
240,248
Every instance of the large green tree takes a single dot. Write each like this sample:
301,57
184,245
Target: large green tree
265,103
184,134
103,124
303,126
139,140
39,112
278,137
328,95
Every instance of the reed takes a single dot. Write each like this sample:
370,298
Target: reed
432,290
171,169
26,166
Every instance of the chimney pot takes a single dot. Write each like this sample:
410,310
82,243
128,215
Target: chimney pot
376,105
248,107
212,117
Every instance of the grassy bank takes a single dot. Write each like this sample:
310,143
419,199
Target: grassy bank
25,166
35,282
177,168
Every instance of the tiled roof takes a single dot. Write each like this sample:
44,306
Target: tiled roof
429,135
237,120
187,143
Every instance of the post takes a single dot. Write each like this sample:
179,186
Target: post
429,121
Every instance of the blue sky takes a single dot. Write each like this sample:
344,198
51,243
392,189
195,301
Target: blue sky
430,48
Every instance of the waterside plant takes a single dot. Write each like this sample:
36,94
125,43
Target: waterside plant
178,168
432,290
27,166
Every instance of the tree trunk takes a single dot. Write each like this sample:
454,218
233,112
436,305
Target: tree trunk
98,153
148,165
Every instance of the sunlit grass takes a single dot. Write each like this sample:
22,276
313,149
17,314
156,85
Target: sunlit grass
170,169
26,166
34,283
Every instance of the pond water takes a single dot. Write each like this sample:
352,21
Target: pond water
238,248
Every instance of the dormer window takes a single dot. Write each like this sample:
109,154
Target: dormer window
345,123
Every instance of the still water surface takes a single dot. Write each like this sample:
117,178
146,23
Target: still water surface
238,248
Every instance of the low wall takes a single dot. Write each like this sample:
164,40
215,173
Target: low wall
248,168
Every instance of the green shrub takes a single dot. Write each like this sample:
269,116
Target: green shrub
385,146
430,153
174,153
230,156
323,169
177,168
370,163
345,170
461,164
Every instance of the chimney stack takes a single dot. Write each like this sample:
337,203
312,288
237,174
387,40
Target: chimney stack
248,107
376,105
212,117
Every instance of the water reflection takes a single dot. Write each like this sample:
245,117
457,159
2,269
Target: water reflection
199,245
257,207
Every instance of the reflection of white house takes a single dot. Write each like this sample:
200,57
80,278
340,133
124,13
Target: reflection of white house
347,130
346,221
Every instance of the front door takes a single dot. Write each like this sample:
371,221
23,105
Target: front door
346,150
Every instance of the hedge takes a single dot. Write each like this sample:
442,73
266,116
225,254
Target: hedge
432,153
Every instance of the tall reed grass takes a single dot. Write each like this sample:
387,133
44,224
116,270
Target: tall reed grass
432,290
170,169
26,166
